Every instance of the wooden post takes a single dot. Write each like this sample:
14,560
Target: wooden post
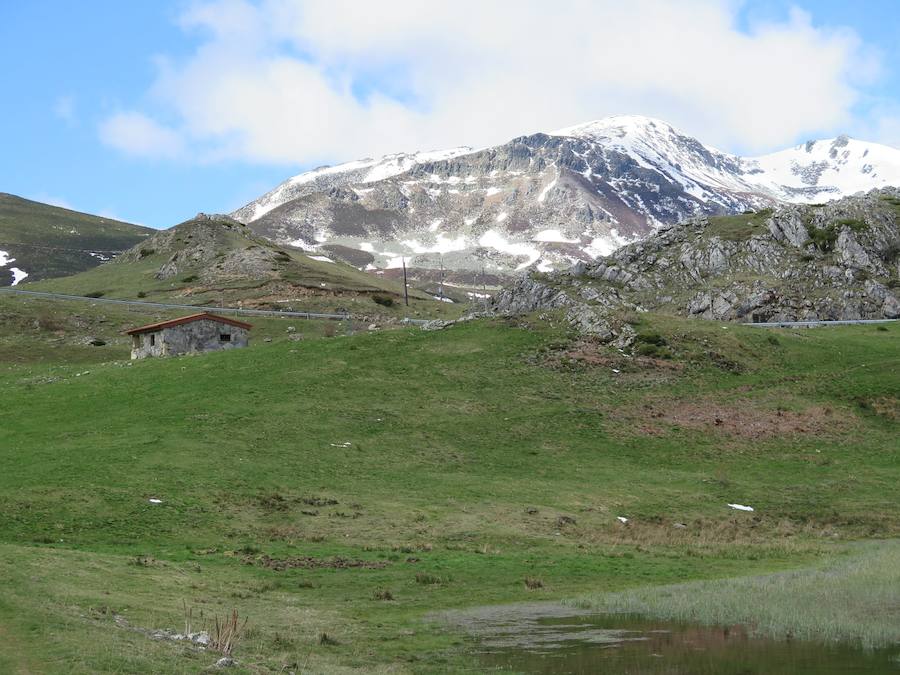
405,286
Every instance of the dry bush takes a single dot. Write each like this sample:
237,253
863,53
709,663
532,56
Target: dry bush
533,583
226,633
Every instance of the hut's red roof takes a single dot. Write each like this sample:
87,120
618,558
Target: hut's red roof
150,327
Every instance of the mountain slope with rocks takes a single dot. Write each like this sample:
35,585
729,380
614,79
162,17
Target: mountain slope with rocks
839,260
548,200
40,241
214,259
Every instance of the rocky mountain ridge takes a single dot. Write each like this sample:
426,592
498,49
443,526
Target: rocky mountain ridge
839,260
548,200
211,248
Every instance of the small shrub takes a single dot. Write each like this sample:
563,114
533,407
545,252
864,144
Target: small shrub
533,583
824,238
326,639
189,278
854,224
383,300
95,294
654,351
651,338
144,252
883,329
383,594
631,318
772,340
142,561
428,579
891,253
141,294
305,583
282,642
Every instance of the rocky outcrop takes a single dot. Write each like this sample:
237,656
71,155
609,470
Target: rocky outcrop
209,249
832,261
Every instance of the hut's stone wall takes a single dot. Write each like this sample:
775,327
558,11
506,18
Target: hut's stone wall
203,335
147,344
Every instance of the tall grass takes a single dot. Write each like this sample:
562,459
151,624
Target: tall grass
854,600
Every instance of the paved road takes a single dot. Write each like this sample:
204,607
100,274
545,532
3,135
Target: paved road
816,324
217,310
343,317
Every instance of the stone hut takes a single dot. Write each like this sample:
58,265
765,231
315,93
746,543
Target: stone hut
202,332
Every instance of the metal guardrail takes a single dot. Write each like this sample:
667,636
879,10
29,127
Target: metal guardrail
346,316
816,324
219,310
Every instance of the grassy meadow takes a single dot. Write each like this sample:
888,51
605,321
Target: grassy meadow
337,491
854,599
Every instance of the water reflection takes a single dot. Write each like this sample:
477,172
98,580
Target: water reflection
557,639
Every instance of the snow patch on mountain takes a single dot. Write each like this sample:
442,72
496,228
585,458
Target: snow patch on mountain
494,239
554,235
361,171
819,171
17,274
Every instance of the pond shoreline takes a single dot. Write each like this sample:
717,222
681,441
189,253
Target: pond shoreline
551,637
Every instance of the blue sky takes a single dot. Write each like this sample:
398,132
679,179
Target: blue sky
153,111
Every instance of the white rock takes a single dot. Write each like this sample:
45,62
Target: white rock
741,507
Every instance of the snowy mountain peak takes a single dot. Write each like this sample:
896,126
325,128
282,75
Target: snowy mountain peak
360,171
618,126
549,200
823,170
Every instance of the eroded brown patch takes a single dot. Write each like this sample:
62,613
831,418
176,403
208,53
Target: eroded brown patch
592,354
887,407
739,419
308,563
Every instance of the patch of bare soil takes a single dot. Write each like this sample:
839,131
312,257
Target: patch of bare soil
587,353
887,407
739,420
308,563
593,358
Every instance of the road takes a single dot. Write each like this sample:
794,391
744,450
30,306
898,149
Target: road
217,310
344,317
816,324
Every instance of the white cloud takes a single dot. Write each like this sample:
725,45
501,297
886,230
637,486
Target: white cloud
136,134
309,81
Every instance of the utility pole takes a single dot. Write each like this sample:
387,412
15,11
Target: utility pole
405,286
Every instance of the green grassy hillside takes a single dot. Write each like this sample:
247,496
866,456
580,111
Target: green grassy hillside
349,486
209,261
48,241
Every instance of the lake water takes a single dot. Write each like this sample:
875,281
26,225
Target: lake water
558,639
